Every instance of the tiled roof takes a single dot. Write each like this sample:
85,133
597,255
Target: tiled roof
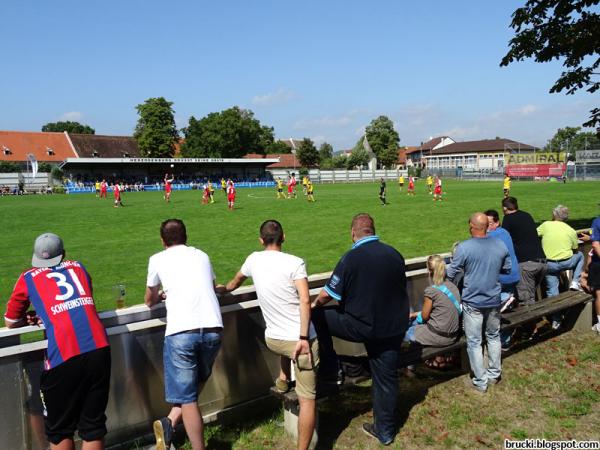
431,143
98,146
286,160
51,147
485,145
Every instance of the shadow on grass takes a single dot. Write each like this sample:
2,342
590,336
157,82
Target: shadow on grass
337,412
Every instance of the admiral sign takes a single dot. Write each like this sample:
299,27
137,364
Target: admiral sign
587,156
542,164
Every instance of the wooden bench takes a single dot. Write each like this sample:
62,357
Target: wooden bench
578,315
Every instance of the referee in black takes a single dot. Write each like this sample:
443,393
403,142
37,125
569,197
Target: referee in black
372,307
382,192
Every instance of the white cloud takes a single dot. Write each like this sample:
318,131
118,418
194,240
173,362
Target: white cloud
323,122
278,97
528,109
73,116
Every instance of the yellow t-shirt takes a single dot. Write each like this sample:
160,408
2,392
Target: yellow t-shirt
401,180
558,239
429,181
97,185
279,184
507,183
309,188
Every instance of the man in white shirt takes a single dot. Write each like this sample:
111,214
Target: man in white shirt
193,332
282,289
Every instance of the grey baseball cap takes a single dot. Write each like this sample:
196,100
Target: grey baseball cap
47,251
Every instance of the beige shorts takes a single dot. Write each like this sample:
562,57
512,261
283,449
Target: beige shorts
306,375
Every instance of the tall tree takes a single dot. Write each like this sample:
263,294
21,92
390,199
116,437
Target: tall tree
383,139
307,153
567,30
571,139
155,132
69,127
231,133
278,147
359,156
325,151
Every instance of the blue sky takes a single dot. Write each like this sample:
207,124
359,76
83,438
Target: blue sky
319,69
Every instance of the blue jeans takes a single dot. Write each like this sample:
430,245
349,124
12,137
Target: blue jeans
507,290
383,357
188,358
475,322
574,263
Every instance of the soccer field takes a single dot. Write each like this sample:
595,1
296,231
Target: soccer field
115,243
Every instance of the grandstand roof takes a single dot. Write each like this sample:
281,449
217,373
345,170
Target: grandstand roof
51,147
98,146
485,145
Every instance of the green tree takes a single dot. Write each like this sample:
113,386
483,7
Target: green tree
278,147
339,161
69,127
307,153
325,152
359,156
155,132
567,30
389,157
382,137
572,139
231,133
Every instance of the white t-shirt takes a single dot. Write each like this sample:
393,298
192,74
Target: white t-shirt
274,273
187,278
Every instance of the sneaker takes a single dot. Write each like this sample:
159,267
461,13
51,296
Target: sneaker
596,328
474,387
507,304
495,380
369,430
556,324
282,386
575,286
163,432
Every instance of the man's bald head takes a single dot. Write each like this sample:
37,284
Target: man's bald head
479,224
362,225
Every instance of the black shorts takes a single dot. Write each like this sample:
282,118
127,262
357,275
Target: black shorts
594,276
75,395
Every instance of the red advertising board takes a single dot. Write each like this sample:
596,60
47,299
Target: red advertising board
535,170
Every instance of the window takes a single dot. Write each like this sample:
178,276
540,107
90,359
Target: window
125,155
6,151
95,154
49,151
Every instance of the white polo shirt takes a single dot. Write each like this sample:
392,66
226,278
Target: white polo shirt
273,274
187,278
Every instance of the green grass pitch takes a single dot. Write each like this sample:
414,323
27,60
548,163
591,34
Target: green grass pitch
115,243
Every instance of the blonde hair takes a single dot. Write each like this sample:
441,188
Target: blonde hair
437,269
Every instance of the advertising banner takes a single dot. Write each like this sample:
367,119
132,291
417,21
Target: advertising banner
588,156
534,158
536,170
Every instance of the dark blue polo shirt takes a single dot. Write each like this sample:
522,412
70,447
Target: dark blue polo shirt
370,284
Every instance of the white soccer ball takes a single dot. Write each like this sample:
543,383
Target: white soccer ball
172,165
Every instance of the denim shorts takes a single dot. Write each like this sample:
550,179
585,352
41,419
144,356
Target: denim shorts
188,358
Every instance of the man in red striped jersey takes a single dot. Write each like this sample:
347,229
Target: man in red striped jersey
76,377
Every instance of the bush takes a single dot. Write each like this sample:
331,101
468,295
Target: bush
58,189
57,173
303,172
9,167
44,167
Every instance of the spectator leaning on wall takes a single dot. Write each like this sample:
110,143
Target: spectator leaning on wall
193,332
282,289
369,287
76,378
